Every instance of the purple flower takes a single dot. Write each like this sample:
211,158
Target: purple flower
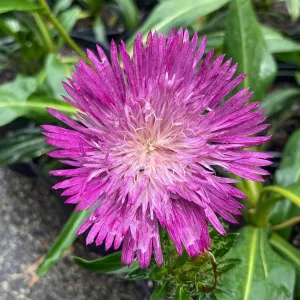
147,138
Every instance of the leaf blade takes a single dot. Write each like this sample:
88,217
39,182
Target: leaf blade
260,271
244,42
180,13
63,241
110,264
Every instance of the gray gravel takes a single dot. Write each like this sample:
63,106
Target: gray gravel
30,220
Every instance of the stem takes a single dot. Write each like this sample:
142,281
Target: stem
44,31
284,247
68,59
253,191
287,223
214,267
261,215
61,30
282,192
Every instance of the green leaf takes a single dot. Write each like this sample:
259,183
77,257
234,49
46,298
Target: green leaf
228,264
22,87
107,264
286,249
61,5
22,144
19,98
245,43
20,5
290,253
289,171
181,294
293,7
278,101
288,174
64,240
12,94
99,31
56,73
277,43
297,77
160,291
129,13
284,192
262,274
177,13
224,244
137,274
285,210
68,20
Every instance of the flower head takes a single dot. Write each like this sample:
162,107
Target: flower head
147,138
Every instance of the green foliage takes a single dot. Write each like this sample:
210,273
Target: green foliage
277,43
68,19
22,144
160,292
288,175
293,7
262,274
279,101
108,264
290,253
63,241
21,98
61,5
187,277
245,43
181,294
17,5
129,13
180,13
31,43
56,73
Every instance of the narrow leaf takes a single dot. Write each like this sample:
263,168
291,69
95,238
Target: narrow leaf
22,144
19,5
293,7
180,13
129,13
277,43
288,174
278,101
56,73
286,193
245,43
181,294
285,248
63,241
107,264
160,292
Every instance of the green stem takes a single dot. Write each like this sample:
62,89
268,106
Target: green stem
262,210
253,189
261,215
68,59
285,248
44,32
287,223
61,30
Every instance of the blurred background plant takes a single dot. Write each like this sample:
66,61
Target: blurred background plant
41,40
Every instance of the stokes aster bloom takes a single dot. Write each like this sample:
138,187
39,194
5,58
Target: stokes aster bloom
148,136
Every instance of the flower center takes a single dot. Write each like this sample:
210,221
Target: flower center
150,146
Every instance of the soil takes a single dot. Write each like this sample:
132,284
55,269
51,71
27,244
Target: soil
31,219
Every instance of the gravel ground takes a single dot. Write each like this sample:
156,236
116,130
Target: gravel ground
30,219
